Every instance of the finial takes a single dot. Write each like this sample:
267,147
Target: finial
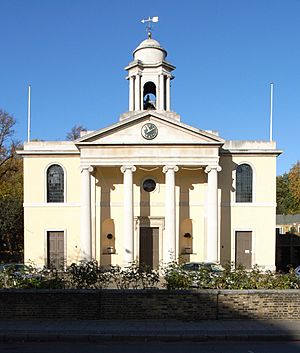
149,27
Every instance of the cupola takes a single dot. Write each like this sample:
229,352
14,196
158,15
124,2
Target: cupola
149,76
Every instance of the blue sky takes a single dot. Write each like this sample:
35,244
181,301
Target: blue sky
226,53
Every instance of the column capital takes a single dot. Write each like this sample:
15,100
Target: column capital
209,168
88,168
132,168
166,168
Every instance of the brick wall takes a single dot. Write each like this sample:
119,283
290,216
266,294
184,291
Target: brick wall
149,304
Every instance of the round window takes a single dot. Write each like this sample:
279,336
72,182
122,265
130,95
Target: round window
149,185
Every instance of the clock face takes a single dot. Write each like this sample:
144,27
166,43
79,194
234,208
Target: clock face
149,131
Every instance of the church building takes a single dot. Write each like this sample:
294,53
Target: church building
150,188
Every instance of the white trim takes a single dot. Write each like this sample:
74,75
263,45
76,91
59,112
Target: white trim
191,204
249,204
41,152
46,183
51,204
281,229
64,230
253,183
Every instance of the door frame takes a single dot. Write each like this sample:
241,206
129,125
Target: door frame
233,242
152,222
46,243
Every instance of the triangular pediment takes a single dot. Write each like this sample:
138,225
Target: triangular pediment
169,131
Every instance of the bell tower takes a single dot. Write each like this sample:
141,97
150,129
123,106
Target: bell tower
149,76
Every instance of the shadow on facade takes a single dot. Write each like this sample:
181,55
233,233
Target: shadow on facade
186,180
227,187
108,236
287,251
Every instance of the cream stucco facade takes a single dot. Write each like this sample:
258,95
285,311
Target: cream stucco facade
150,188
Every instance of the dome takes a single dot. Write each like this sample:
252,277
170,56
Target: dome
150,52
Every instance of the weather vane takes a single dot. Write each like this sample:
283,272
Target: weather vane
149,27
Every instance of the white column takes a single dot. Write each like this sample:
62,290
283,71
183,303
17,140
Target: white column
161,92
137,96
128,213
131,93
169,239
212,212
168,97
85,234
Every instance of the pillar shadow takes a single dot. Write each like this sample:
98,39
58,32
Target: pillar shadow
186,179
226,185
106,179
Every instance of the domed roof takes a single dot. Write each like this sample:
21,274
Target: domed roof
150,51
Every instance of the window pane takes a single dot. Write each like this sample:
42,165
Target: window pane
149,185
55,184
244,183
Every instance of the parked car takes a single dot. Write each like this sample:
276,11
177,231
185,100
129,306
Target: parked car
17,270
297,272
213,267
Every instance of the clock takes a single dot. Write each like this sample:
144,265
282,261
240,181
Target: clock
149,131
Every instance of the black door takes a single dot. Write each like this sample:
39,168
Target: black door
149,244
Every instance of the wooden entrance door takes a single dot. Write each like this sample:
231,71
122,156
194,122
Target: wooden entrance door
243,249
55,250
149,244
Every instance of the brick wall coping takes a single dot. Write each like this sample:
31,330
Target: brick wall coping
158,290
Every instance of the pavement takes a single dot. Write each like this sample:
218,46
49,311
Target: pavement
149,330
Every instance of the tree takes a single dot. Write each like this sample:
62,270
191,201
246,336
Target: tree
288,191
284,197
74,134
294,181
11,192
7,144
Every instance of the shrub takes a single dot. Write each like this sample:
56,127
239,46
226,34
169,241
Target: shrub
134,277
176,277
90,275
86,274
231,278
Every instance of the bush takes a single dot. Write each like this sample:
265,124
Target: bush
176,277
134,277
86,275
231,278
89,275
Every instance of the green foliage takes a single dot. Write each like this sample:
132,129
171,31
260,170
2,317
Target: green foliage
294,184
176,277
134,277
11,224
285,200
11,193
88,275
288,191
231,278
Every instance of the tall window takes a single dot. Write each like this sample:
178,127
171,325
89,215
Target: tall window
244,180
55,184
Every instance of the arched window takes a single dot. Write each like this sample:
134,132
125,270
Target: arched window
244,183
55,183
149,96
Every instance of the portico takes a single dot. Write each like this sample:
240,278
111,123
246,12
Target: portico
166,221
